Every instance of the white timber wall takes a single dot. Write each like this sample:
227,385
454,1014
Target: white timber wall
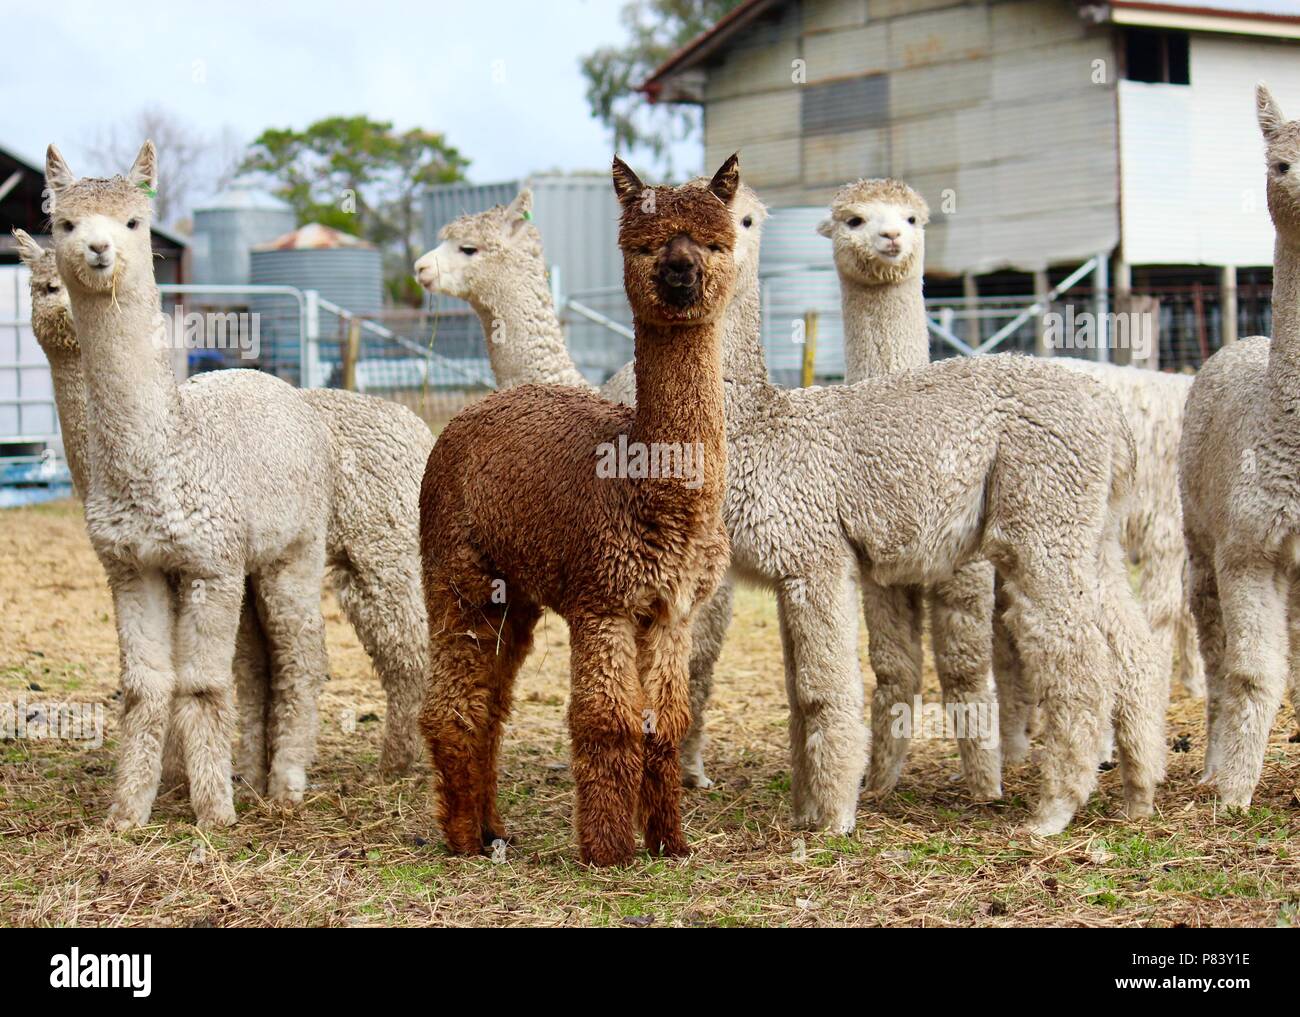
1192,158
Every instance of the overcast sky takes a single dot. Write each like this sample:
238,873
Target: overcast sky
499,77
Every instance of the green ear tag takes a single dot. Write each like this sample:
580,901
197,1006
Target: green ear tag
144,186
528,216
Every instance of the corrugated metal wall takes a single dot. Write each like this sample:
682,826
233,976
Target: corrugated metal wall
991,105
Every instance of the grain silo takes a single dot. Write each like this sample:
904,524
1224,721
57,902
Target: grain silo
345,270
229,227
798,275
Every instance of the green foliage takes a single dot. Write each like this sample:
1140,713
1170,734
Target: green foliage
359,176
656,30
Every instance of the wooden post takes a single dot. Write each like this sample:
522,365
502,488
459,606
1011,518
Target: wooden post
1042,347
971,291
351,354
1228,303
809,347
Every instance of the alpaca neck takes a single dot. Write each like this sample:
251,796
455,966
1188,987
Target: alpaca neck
884,328
743,360
525,343
679,404
70,398
131,394
1284,353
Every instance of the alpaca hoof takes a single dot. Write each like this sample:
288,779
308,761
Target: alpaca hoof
986,791
672,846
123,817
255,783
1235,798
1207,776
1015,753
697,778
1140,806
1050,820
605,857
216,819
288,787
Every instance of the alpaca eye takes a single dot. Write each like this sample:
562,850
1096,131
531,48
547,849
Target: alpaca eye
643,250
855,222
52,288
747,222
715,248
65,226
469,250
912,219
132,223
1283,167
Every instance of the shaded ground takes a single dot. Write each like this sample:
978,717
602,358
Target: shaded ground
361,852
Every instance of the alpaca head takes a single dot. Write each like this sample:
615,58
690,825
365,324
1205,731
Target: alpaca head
51,311
748,213
877,231
678,246
1282,154
478,251
101,227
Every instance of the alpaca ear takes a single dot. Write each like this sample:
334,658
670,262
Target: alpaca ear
826,228
627,185
28,249
57,175
519,212
1268,111
726,181
144,171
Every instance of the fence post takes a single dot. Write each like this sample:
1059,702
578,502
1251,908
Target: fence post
1042,348
310,339
1101,296
351,354
809,347
1228,304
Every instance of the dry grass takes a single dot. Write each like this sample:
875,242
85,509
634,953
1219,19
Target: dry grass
361,852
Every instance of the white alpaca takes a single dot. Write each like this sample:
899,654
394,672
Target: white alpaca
191,489
493,260
878,231
371,552
826,482
1241,502
877,228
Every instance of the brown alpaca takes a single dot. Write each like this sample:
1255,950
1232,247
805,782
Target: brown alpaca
519,512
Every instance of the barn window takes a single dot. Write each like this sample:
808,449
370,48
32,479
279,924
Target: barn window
851,104
1152,54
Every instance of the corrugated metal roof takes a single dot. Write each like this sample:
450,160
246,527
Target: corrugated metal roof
314,236
242,196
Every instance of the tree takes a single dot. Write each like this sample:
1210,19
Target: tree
184,170
657,29
360,176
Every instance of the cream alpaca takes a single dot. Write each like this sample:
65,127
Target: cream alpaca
877,228
176,502
1241,507
371,547
906,479
494,261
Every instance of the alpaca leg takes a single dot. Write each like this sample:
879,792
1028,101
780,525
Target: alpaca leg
1056,629
386,608
1254,603
1142,687
960,625
1015,698
606,725
663,657
707,636
515,639
207,623
1164,602
252,670
143,606
457,719
1191,666
1203,601
894,621
828,742
288,602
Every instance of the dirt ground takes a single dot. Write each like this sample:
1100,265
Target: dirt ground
364,852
